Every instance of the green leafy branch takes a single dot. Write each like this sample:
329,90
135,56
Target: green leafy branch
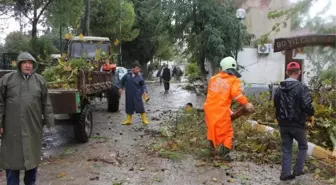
287,13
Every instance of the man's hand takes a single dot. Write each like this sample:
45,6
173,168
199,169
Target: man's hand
1,132
249,107
120,91
145,94
310,121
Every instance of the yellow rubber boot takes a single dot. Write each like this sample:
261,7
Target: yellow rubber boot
128,120
144,118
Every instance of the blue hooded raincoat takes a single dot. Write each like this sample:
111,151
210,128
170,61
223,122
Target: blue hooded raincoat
134,88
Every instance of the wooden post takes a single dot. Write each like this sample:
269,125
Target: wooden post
288,59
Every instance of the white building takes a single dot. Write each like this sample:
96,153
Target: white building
266,66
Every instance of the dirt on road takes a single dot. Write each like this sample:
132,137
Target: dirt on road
118,154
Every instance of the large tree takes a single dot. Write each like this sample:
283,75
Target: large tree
210,29
114,19
65,14
154,20
33,10
16,42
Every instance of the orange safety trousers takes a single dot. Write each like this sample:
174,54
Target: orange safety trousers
222,89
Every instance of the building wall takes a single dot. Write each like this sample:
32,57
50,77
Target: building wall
261,69
256,18
266,69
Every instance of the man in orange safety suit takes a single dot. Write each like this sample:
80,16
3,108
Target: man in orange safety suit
222,89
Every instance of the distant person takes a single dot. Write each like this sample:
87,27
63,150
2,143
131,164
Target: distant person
293,107
166,76
135,90
179,74
24,109
159,73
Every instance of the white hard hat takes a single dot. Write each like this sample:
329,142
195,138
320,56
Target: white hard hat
229,64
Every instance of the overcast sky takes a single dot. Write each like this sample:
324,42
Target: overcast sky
10,25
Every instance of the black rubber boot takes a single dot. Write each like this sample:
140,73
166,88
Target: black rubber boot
211,146
224,154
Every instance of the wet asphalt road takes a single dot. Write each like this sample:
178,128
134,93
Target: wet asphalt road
175,99
126,150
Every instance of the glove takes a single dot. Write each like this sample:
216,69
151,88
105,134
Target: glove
249,107
311,121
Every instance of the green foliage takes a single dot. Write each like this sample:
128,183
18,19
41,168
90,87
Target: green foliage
165,47
16,42
64,74
66,13
193,72
106,17
328,77
325,113
321,58
210,29
324,131
153,66
284,15
154,20
32,10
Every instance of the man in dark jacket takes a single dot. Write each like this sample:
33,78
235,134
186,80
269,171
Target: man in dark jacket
24,109
166,78
293,103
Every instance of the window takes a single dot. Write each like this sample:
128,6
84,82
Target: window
88,49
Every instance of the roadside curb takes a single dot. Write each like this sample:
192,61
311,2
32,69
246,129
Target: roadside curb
313,149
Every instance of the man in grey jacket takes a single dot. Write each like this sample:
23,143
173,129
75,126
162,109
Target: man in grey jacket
24,109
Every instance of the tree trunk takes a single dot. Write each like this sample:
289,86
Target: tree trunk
214,68
202,65
144,69
34,28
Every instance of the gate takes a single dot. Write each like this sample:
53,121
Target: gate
6,60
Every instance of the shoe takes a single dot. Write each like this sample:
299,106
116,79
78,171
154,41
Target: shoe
211,146
290,177
224,154
298,173
128,120
144,118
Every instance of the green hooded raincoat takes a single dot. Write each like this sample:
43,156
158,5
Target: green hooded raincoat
24,109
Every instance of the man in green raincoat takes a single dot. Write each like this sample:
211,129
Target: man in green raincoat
24,109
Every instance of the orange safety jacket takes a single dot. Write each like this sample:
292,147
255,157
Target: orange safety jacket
222,89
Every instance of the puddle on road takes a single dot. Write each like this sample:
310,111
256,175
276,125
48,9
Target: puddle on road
52,144
175,99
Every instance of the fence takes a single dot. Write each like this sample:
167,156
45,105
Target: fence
6,60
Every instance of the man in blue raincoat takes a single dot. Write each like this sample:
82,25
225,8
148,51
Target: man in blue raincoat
135,88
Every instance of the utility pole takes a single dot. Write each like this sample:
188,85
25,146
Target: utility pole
60,28
120,43
88,11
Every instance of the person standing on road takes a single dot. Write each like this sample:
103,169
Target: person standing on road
178,74
135,89
24,109
222,89
293,104
159,73
166,76
112,92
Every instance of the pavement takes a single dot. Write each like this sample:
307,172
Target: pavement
118,154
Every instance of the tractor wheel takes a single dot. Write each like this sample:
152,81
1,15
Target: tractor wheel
83,124
113,99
